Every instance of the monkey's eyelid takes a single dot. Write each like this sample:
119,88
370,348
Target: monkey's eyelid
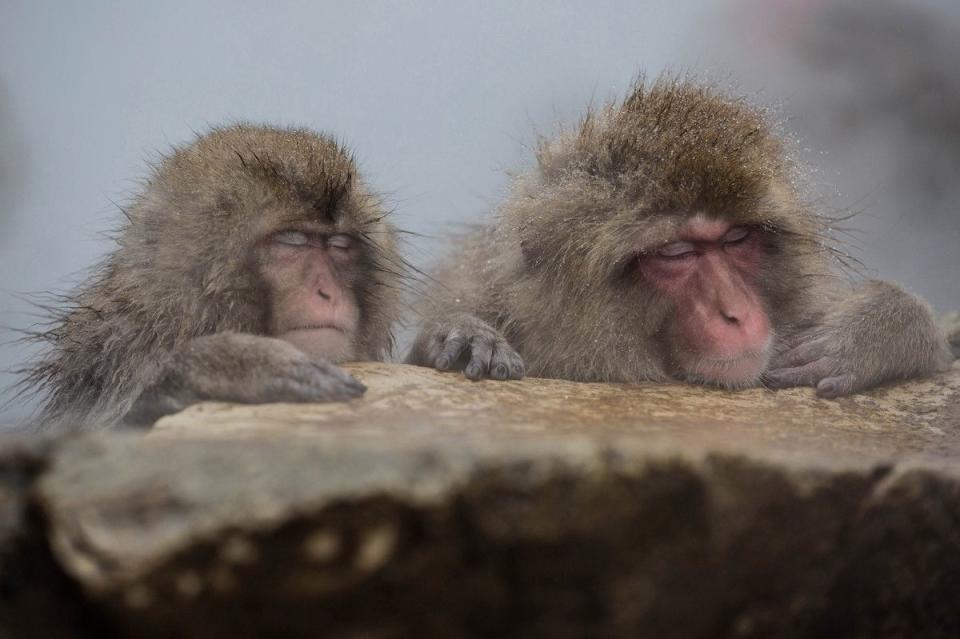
291,238
340,241
675,249
736,234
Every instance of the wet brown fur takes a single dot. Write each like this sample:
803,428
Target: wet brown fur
183,264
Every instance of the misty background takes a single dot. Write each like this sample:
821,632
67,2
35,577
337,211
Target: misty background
441,99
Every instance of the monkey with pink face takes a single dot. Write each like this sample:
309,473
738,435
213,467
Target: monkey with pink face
253,261
665,238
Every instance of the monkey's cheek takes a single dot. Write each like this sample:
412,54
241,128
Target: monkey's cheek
330,343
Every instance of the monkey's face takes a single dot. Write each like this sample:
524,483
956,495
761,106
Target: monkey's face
310,272
720,332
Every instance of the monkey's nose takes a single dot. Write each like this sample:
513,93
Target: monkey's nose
730,318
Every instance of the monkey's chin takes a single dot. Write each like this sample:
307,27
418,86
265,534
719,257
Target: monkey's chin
743,371
329,342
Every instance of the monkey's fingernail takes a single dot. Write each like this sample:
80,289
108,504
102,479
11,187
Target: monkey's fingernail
500,371
443,363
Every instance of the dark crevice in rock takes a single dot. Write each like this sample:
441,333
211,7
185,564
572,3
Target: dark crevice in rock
37,598
902,565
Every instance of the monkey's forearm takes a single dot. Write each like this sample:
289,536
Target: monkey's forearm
877,334
241,368
891,331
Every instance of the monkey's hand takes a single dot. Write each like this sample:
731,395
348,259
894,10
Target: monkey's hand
951,326
466,343
881,333
236,367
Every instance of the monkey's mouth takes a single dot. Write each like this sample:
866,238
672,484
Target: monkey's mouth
323,339
743,371
314,327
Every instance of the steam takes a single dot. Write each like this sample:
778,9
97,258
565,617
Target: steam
871,91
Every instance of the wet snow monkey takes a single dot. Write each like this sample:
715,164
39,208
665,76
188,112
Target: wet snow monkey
252,261
666,238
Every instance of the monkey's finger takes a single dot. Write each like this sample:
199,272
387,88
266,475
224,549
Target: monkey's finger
328,388
500,362
517,368
833,387
342,376
453,348
313,380
806,375
426,354
309,389
505,363
481,351
799,355
804,337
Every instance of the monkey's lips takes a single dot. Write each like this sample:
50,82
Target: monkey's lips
332,341
314,327
741,371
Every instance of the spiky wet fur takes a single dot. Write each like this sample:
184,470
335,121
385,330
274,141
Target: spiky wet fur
551,272
183,265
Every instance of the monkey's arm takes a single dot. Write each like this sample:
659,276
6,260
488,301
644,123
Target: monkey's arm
465,342
236,367
878,333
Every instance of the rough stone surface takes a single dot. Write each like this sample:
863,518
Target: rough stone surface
436,506
915,418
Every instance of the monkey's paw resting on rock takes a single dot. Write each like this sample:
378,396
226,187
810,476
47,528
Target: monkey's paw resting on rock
235,367
840,356
466,343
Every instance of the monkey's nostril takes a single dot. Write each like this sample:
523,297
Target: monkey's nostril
322,294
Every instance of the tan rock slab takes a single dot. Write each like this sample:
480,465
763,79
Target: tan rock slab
920,417
435,506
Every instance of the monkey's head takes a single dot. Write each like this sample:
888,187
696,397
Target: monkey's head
660,229
267,231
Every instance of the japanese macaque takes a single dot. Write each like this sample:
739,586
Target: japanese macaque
665,238
252,261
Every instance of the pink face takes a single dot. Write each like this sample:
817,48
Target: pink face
312,304
721,332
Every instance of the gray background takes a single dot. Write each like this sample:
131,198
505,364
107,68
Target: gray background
439,100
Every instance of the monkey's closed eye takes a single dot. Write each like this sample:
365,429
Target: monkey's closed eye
340,241
676,251
291,238
736,235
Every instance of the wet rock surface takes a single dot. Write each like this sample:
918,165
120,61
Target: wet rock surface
435,506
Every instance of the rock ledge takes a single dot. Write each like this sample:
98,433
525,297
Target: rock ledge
440,507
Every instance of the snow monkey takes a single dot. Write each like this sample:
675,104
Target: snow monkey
252,261
666,237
